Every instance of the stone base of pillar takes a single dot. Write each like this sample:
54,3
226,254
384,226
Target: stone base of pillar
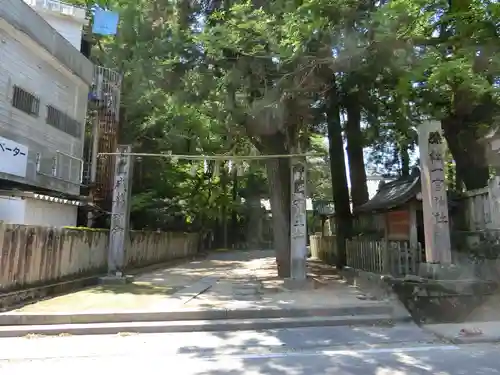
297,284
438,271
116,279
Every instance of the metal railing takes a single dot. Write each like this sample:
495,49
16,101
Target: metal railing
61,171
106,89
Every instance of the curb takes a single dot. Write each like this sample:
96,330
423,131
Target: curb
462,340
194,325
475,340
23,319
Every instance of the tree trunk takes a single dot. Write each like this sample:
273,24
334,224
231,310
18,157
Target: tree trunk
338,173
459,184
468,153
450,172
355,141
278,175
405,160
254,223
461,125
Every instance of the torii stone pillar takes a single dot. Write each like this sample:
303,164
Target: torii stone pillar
434,196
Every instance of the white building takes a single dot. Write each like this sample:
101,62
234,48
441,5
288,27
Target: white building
66,19
44,85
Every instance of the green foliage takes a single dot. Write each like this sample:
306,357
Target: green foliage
319,178
223,77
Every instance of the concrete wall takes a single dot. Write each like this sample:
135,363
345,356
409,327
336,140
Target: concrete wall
12,210
34,255
66,19
37,209
49,214
68,28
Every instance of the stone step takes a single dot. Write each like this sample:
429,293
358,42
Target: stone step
19,318
193,325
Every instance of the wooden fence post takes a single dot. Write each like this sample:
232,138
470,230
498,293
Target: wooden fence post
386,250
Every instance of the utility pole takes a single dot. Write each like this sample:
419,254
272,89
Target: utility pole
298,221
120,212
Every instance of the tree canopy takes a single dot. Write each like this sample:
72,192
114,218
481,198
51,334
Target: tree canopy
273,77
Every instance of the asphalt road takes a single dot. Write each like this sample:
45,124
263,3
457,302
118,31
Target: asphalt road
305,351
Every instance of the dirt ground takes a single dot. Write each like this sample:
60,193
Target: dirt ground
133,296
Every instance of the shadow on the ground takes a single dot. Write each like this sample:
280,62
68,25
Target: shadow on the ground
294,352
455,308
153,283
139,288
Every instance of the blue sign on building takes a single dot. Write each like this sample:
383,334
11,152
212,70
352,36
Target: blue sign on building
105,22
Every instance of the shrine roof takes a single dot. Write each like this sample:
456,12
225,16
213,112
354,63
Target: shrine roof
393,194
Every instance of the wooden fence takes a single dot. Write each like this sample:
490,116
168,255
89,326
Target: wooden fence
385,257
479,210
476,210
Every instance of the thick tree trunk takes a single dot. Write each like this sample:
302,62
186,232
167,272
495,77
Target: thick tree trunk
355,141
338,173
459,183
278,175
468,153
461,126
254,223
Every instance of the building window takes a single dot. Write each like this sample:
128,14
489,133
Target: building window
25,101
63,122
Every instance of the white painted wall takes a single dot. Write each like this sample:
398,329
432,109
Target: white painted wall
67,20
26,64
44,213
67,27
29,211
12,210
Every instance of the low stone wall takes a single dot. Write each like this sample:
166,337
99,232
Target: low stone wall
33,256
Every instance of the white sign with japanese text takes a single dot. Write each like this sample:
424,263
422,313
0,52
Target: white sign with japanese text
434,193
13,157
